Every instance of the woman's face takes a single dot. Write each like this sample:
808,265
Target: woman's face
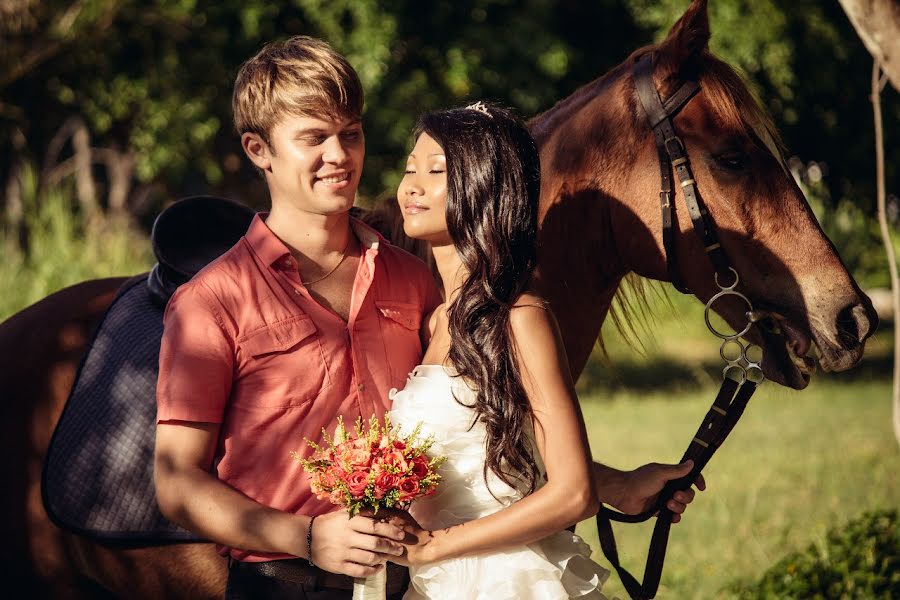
422,194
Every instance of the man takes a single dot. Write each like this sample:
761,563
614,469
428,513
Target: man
310,316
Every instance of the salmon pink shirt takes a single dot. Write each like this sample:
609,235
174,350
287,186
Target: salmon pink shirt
246,346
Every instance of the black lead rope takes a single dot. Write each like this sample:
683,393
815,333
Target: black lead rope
719,421
734,394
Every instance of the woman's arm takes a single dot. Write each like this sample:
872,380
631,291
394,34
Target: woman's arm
569,495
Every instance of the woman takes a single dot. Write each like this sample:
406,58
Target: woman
494,388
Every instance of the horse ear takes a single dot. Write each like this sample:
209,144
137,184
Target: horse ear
687,39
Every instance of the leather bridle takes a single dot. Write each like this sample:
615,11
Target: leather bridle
742,374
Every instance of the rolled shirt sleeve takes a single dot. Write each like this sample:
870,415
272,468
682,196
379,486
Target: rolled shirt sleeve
196,359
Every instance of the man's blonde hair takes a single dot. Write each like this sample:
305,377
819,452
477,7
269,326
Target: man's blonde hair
300,76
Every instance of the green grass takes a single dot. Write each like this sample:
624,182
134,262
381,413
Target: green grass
63,249
796,464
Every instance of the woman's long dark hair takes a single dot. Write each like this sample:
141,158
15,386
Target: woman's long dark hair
493,185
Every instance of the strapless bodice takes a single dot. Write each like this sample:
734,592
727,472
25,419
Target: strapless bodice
441,404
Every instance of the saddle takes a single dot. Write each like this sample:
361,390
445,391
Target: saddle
98,477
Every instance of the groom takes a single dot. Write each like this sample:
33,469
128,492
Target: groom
309,316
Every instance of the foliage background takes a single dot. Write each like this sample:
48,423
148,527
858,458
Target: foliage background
152,79
111,109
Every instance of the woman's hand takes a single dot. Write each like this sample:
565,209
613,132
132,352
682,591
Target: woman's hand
418,542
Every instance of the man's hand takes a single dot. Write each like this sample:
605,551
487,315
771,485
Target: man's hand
358,547
641,487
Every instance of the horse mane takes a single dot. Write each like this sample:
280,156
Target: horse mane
735,107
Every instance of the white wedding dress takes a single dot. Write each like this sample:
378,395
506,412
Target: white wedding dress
556,567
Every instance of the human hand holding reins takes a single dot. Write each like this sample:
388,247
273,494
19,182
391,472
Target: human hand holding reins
637,491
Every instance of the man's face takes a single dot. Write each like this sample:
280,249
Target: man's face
313,164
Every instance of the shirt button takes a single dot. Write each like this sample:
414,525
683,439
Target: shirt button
361,387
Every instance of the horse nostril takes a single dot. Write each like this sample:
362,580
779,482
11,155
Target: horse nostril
853,325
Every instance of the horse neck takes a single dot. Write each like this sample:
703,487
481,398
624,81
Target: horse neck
584,157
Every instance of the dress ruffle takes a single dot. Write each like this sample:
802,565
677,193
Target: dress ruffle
556,567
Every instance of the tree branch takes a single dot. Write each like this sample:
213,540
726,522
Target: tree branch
878,24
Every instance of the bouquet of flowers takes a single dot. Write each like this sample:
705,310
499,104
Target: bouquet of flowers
376,468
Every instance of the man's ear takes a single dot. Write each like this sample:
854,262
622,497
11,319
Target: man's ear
257,150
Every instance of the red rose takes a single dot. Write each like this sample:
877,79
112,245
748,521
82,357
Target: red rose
385,482
357,483
399,445
420,467
409,489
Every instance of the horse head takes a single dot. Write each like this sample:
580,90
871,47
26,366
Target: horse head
602,176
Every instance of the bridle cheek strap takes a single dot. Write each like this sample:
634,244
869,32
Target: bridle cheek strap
672,154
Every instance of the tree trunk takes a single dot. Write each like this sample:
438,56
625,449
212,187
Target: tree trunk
878,24
15,204
877,85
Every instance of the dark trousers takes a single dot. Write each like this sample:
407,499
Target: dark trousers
296,580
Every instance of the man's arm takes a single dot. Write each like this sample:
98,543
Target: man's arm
633,492
195,379
192,497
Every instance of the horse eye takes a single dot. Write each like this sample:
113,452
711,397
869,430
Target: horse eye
733,161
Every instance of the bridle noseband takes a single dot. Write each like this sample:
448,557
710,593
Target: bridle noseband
742,373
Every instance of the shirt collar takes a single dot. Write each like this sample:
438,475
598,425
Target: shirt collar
270,248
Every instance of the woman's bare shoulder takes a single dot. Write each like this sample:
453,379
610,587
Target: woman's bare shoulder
531,298
530,310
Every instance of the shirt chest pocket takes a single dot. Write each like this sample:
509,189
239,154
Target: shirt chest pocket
282,365
400,323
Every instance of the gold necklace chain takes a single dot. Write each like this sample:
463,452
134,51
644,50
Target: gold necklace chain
335,268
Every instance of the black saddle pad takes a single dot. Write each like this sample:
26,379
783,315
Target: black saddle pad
98,476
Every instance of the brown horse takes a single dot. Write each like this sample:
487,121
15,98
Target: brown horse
600,221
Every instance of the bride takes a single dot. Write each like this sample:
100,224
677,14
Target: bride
494,388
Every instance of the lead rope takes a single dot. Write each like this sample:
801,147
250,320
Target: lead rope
741,376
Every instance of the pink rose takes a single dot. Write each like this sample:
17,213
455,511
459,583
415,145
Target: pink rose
336,496
385,482
328,478
396,459
357,483
358,458
359,444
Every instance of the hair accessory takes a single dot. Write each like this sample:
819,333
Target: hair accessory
480,107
